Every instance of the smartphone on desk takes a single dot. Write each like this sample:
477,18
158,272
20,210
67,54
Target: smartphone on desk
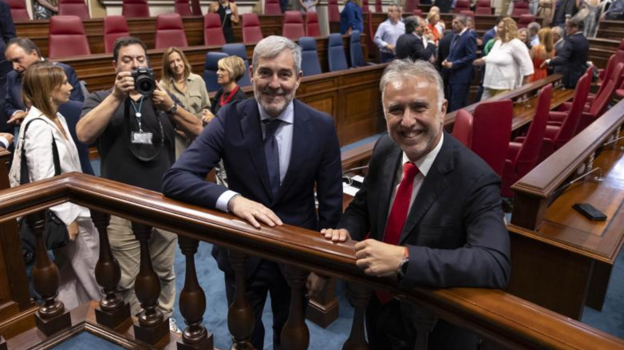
589,211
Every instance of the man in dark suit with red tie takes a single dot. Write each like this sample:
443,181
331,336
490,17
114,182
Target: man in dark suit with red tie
459,63
432,208
277,153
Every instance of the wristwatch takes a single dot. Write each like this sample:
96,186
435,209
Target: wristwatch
174,109
402,270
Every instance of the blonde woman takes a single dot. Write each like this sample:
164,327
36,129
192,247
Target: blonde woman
189,88
541,52
508,64
45,88
229,71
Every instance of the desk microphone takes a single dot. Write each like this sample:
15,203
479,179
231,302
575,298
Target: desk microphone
598,178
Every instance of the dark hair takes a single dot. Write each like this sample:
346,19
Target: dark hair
127,41
40,80
411,23
576,23
26,44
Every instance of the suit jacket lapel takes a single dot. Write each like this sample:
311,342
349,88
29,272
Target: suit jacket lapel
433,186
390,166
301,138
252,133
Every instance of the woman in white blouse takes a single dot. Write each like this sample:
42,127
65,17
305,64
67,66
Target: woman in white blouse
45,88
508,65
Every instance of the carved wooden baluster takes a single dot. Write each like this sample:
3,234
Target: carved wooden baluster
112,310
424,321
151,326
359,296
240,315
295,334
52,316
192,302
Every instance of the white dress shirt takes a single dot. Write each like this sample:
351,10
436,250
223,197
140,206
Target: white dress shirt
39,157
284,137
506,65
424,165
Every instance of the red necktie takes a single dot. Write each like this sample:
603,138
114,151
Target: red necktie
398,215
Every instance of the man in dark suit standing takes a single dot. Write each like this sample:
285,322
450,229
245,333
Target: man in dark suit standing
459,63
7,32
276,151
432,208
411,44
572,59
22,52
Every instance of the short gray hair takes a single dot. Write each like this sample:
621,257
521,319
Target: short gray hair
534,26
557,30
401,70
272,46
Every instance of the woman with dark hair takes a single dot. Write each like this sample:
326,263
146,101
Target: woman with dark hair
188,88
229,14
230,70
44,136
351,17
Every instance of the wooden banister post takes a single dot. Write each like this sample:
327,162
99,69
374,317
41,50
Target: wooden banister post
240,315
295,334
192,302
423,320
151,326
52,316
359,296
112,310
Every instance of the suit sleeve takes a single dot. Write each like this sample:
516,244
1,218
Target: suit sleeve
76,94
185,180
12,103
482,262
470,53
329,182
564,56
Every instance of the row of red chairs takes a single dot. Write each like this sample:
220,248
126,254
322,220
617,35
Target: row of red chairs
68,38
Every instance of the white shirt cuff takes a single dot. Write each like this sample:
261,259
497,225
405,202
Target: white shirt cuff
4,142
224,200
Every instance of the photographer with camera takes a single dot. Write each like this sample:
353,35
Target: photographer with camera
134,125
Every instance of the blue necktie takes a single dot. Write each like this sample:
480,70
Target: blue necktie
271,152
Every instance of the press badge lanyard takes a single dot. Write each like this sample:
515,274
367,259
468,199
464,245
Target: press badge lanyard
137,111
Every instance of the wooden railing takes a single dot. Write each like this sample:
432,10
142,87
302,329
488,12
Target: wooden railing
493,314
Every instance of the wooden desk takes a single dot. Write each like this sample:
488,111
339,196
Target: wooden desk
560,260
142,28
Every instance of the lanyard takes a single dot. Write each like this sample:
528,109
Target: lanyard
137,111
223,101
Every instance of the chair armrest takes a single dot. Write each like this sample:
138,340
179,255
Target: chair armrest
556,116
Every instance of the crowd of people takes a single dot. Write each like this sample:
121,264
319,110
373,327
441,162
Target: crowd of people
282,157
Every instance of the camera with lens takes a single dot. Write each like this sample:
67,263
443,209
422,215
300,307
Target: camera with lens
144,81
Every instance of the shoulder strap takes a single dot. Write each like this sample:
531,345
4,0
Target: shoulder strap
24,174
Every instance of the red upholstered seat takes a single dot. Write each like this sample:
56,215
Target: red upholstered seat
312,25
114,27
417,12
462,128
252,33
73,8
484,7
67,37
213,33
558,135
333,13
491,132
599,105
365,8
293,25
520,8
182,8
524,152
378,6
411,5
525,19
461,5
272,7
169,31
18,10
468,13
135,8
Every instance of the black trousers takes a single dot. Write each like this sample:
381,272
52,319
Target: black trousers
388,328
267,278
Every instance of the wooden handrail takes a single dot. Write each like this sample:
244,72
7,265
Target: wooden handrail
494,314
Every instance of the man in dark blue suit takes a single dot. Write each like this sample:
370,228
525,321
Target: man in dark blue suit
571,60
432,208
459,63
7,32
276,151
22,52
